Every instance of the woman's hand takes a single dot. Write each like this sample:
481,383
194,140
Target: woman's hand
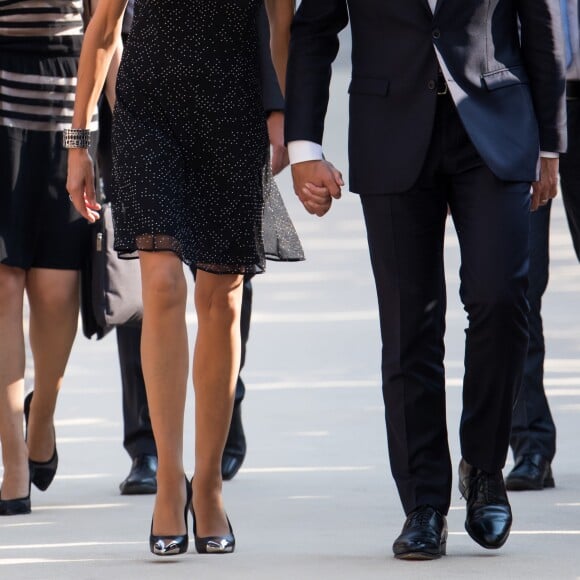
80,184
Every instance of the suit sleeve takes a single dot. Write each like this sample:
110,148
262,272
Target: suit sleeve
271,94
543,52
313,48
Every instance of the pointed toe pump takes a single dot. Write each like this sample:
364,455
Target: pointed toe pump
214,544
17,506
41,472
168,545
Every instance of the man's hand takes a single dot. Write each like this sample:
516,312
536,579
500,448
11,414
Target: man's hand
547,188
315,184
276,135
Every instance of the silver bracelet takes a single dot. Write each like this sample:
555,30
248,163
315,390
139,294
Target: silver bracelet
76,138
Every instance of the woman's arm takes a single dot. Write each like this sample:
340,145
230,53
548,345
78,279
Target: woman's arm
111,79
280,14
99,45
102,37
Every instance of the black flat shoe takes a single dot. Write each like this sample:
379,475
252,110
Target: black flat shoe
424,535
531,472
167,545
235,448
41,472
142,478
214,544
489,515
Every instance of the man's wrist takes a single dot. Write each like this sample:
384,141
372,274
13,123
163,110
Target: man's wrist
301,151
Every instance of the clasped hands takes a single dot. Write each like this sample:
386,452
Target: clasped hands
317,183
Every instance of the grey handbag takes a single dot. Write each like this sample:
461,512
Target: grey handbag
110,287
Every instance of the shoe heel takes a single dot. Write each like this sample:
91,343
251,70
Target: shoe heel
15,507
213,544
168,545
41,472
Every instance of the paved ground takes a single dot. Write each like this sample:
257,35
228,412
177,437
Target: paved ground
314,500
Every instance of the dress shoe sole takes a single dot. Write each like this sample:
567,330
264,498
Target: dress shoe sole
420,555
522,484
140,489
425,554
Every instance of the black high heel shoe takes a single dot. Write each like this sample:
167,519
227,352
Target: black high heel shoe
17,506
41,472
167,545
213,544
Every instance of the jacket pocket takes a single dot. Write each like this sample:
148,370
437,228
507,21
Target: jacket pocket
369,86
505,77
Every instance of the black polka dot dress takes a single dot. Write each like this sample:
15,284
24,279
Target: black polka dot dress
190,143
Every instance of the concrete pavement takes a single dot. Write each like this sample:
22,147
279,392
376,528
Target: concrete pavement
314,499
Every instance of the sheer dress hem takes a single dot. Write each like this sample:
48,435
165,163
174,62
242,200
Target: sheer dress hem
166,243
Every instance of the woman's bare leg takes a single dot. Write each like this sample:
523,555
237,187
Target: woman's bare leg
165,360
216,364
53,296
14,453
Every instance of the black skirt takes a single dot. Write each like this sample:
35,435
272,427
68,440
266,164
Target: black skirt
39,227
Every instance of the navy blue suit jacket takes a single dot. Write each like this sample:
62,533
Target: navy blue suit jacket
505,57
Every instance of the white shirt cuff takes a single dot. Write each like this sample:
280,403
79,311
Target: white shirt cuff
300,151
549,154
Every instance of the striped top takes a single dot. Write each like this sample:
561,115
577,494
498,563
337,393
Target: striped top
39,46
41,18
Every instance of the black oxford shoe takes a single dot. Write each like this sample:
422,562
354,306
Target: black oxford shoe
142,478
424,535
530,472
235,449
489,515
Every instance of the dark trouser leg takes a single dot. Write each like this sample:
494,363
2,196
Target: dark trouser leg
570,173
533,429
236,440
405,234
245,319
138,434
492,222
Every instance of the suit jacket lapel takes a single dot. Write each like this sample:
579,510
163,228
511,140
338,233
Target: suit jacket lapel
428,6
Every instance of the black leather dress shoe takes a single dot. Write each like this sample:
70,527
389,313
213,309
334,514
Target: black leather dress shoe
424,535
235,449
530,472
142,478
489,515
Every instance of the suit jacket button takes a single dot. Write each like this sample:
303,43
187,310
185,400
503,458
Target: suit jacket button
436,33
432,85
